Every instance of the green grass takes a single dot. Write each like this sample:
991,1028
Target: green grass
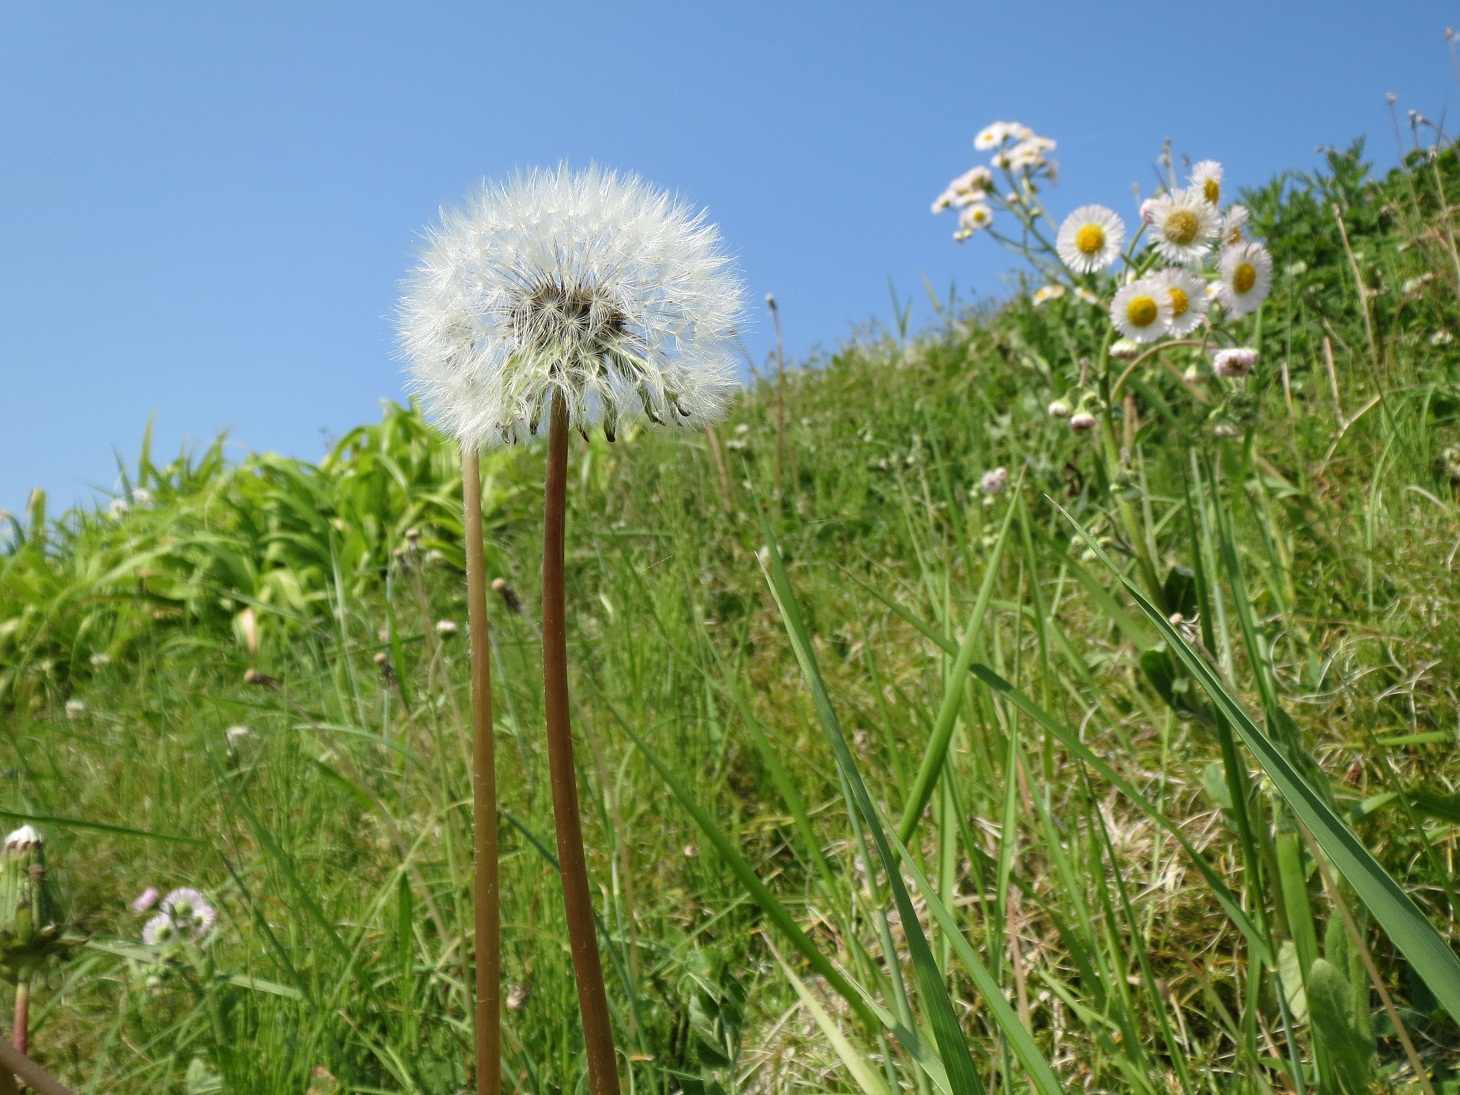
1098,889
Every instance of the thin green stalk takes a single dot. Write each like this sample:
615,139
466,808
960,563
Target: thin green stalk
577,900
484,792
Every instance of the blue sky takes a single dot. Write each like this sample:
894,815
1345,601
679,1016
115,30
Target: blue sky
205,208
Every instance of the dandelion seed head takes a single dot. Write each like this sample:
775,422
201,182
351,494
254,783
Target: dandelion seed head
590,283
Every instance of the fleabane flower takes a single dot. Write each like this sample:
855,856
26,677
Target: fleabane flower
1188,295
590,284
1090,239
971,218
994,134
1047,293
1206,177
1185,224
1234,225
1246,278
1141,310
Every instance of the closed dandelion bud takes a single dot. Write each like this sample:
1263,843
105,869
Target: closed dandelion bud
30,918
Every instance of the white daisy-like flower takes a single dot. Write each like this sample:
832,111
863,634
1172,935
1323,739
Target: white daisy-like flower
1206,176
1188,298
993,135
188,912
590,284
1234,225
1186,225
1030,152
973,217
1441,337
1141,310
1090,239
1087,296
1234,362
1048,292
1246,278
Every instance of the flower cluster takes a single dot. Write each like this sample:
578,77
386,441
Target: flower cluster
184,915
1021,158
1189,269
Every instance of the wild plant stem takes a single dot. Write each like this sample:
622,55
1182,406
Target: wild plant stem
592,1000
484,792
20,1035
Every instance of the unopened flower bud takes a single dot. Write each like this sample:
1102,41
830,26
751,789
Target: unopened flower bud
1082,422
1235,362
1123,349
508,595
1059,409
30,918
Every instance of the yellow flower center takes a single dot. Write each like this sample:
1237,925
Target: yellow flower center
1142,311
1090,239
1179,301
1244,277
1182,227
1212,189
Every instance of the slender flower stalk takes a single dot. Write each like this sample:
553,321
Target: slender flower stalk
483,791
578,902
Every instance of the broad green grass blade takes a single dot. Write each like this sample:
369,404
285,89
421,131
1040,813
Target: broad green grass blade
952,1045
1430,955
100,827
865,1075
942,735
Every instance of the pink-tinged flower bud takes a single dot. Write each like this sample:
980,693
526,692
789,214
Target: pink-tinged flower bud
1234,363
1082,422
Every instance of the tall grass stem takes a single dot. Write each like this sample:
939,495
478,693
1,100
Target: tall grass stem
578,903
484,791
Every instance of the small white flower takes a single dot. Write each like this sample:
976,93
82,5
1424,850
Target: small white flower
972,218
1188,298
1030,153
142,496
1235,362
590,284
145,900
117,508
446,628
1206,176
1090,239
1246,278
100,660
1087,296
1441,338
991,136
993,481
1048,292
1148,211
1234,225
189,912
1186,225
75,709
24,837
1141,311
235,734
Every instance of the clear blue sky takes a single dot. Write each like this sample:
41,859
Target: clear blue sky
205,207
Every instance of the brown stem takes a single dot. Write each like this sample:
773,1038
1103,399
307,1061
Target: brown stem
592,1001
484,791
21,1032
36,1078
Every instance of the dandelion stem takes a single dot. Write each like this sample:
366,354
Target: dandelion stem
592,1000
21,1033
484,791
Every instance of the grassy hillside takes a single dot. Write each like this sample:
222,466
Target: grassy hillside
1313,555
